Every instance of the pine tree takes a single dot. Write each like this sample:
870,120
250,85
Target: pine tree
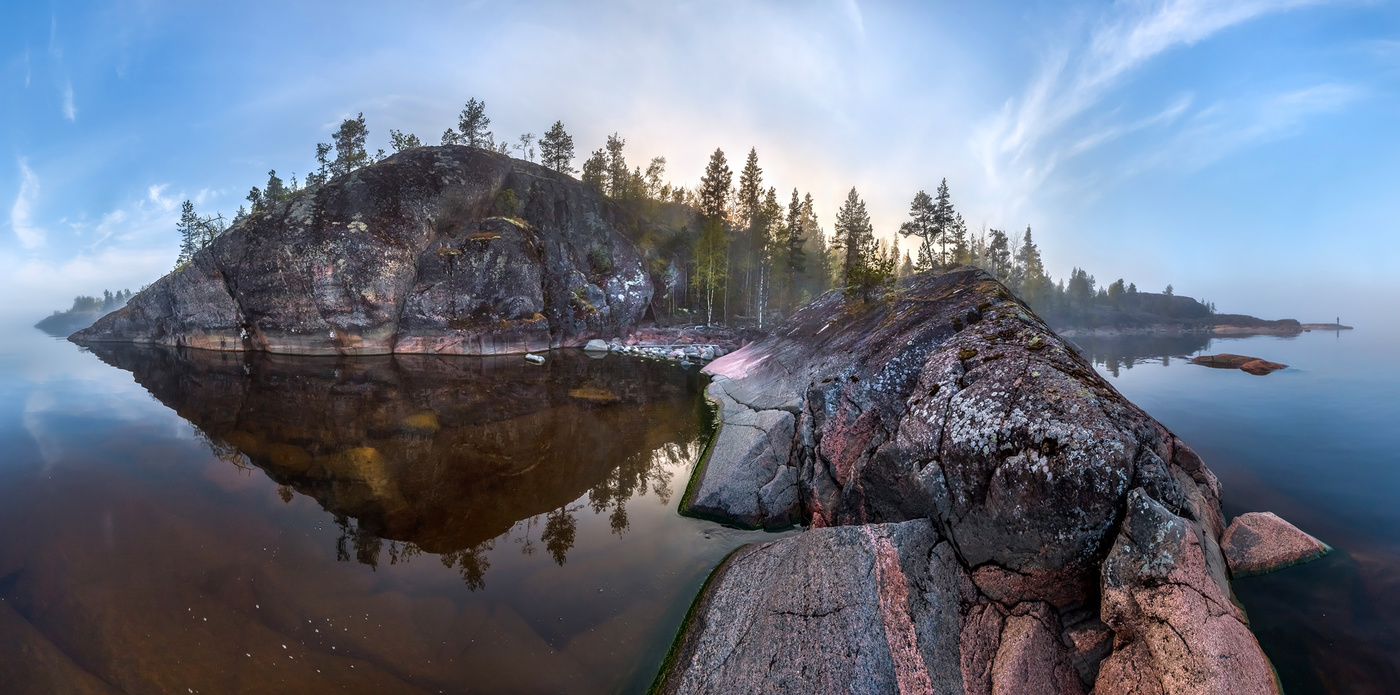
526,148
400,141
922,224
350,145
557,149
595,171
656,170
472,124
323,164
275,192
619,178
189,228
451,137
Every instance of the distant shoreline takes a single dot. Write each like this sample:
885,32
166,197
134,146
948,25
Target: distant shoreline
1284,327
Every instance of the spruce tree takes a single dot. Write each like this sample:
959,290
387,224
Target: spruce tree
943,219
1035,285
854,237
999,255
189,230
714,187
557,149
472,123
794,257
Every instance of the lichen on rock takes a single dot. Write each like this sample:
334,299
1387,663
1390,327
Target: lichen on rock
1077,533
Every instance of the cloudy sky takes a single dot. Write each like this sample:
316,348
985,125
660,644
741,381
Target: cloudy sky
1246,152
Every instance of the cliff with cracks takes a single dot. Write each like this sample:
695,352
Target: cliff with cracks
433,250
987,515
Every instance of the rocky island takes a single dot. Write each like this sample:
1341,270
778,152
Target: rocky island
984,513
434,250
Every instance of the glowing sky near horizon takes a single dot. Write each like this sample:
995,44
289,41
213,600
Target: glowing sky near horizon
1246,152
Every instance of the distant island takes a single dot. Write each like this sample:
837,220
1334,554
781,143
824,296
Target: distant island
83,313
1132,313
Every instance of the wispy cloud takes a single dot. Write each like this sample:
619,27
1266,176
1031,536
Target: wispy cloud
1017,146
21,213
852,8
1226,127
69,111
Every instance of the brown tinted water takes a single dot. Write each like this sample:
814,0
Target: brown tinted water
270,524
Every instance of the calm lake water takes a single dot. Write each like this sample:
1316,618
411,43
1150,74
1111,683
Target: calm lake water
1315,444
202,522
206,522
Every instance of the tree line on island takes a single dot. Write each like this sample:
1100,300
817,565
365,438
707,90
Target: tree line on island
735,253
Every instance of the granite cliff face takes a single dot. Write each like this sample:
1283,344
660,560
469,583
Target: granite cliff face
423,252
988,515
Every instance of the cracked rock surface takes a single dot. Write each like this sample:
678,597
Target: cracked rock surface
413,254
1079,536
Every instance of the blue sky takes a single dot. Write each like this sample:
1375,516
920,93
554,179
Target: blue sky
1246,152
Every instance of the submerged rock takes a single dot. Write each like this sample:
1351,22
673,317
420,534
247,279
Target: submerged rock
1260,542
412,254
1253,365
948,401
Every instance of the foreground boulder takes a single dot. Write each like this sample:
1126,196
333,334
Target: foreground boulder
1074,526
433,250
1225,360
1260,542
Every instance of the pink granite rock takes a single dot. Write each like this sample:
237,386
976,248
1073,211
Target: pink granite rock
1260,542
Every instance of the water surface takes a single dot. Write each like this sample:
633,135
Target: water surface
181,521
1315,444
185,521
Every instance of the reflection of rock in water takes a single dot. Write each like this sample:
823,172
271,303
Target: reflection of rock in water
1122,352
436,454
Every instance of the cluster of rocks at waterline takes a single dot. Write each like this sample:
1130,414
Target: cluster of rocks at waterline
987,514
687,345
1252,365
433,250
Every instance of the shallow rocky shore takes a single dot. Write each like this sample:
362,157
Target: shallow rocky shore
986,515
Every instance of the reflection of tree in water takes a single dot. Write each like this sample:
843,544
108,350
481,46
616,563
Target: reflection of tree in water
1123,352
558,529
471,563
633,478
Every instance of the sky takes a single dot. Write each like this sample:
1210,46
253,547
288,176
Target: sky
1248,153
